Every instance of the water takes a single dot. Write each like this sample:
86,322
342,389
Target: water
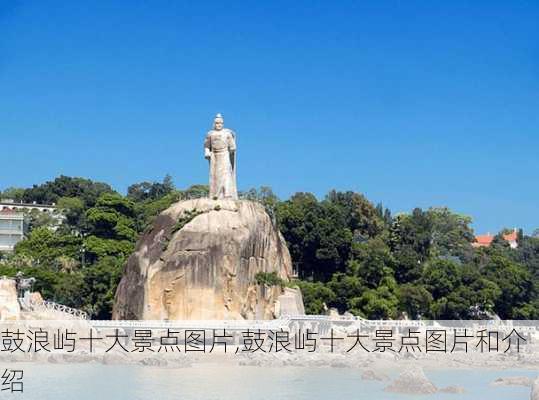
228,382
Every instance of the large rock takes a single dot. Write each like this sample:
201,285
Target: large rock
9,304
512,381
453,389
199,261
412,381
372,375
534,395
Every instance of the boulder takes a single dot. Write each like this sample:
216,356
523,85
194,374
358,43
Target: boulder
453,390
372,375
9,303
153,362
412,381
535,390
200,260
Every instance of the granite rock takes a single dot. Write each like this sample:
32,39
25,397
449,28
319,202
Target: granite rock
199,260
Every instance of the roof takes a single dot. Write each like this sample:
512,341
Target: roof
483,240
486,240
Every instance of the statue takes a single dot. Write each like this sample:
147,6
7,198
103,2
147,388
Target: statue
220,151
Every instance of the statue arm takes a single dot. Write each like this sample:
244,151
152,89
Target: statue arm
207,147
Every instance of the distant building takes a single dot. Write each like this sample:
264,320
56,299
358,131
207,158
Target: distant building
11,229
486,240
12,205
12,220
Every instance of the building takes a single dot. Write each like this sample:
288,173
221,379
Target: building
486,240
12,220
11,228
12,205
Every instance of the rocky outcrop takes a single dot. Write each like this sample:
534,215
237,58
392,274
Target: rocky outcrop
9,304
412,381
512,381
534,395
453,389
200,260
372,375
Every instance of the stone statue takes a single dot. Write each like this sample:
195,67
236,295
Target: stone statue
220,151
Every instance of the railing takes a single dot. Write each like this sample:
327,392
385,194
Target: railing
51,306
274,324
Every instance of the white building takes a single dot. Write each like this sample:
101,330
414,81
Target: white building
11,229
12,205
12,220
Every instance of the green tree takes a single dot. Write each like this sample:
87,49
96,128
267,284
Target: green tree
345,287
111,227
441,277
317,235
360,216
13,193
410,241
372,261
527,254
143,191
73,210
65,186
100,281
451,234
516,285
379,303
36,219
414,299
44,246
316,297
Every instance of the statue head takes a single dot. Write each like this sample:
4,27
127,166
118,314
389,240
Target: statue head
218,122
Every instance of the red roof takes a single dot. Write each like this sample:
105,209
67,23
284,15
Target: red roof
8,211
483,240
486,240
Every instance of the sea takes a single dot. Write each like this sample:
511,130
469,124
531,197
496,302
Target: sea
207,381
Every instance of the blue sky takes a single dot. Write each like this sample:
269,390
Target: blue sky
413,103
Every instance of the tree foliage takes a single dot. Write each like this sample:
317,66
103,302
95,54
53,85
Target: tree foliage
350,254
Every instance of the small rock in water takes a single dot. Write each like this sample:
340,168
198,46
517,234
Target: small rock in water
412,381
535,390
513,381
371,375
453,390
153,362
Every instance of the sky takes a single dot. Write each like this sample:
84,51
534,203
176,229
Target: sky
412,103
